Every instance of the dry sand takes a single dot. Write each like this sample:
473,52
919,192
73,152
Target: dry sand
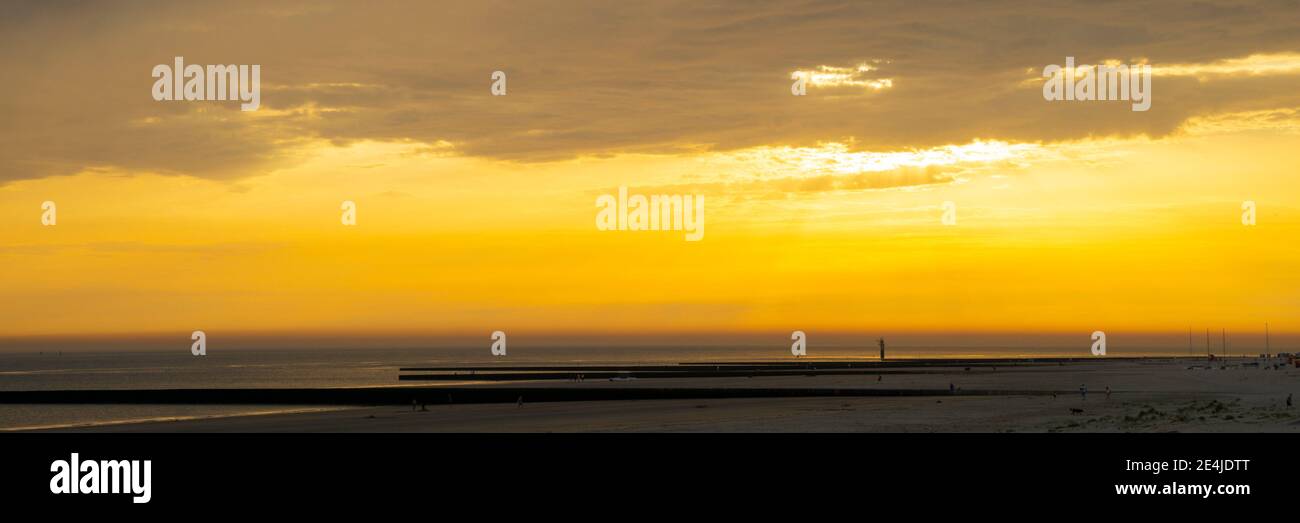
1147,396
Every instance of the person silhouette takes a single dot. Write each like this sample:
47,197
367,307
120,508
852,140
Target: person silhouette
881,341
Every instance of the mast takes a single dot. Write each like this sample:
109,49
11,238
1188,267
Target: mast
1267,348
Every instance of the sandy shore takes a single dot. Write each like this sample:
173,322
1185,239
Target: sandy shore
1146,396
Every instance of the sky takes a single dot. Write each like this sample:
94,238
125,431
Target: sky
823,212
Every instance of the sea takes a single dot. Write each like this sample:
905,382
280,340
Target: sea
88,369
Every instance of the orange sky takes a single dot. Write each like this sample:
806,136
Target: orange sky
1069,218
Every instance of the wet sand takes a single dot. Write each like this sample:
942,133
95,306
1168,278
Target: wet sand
1147,396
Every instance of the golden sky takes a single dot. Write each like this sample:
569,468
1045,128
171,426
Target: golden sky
476,212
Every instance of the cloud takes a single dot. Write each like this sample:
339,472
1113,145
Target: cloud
858,76
765,173
602,78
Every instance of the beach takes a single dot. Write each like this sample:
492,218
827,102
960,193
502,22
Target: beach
1146,395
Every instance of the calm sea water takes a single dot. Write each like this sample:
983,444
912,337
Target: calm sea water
250,368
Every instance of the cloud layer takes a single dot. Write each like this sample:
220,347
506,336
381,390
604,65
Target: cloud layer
600,78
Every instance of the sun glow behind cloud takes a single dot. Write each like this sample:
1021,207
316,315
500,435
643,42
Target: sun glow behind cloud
1253,65
832,76
837,158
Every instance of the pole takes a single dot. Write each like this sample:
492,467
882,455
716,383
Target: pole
1267,348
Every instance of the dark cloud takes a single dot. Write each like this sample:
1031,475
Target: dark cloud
595,78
